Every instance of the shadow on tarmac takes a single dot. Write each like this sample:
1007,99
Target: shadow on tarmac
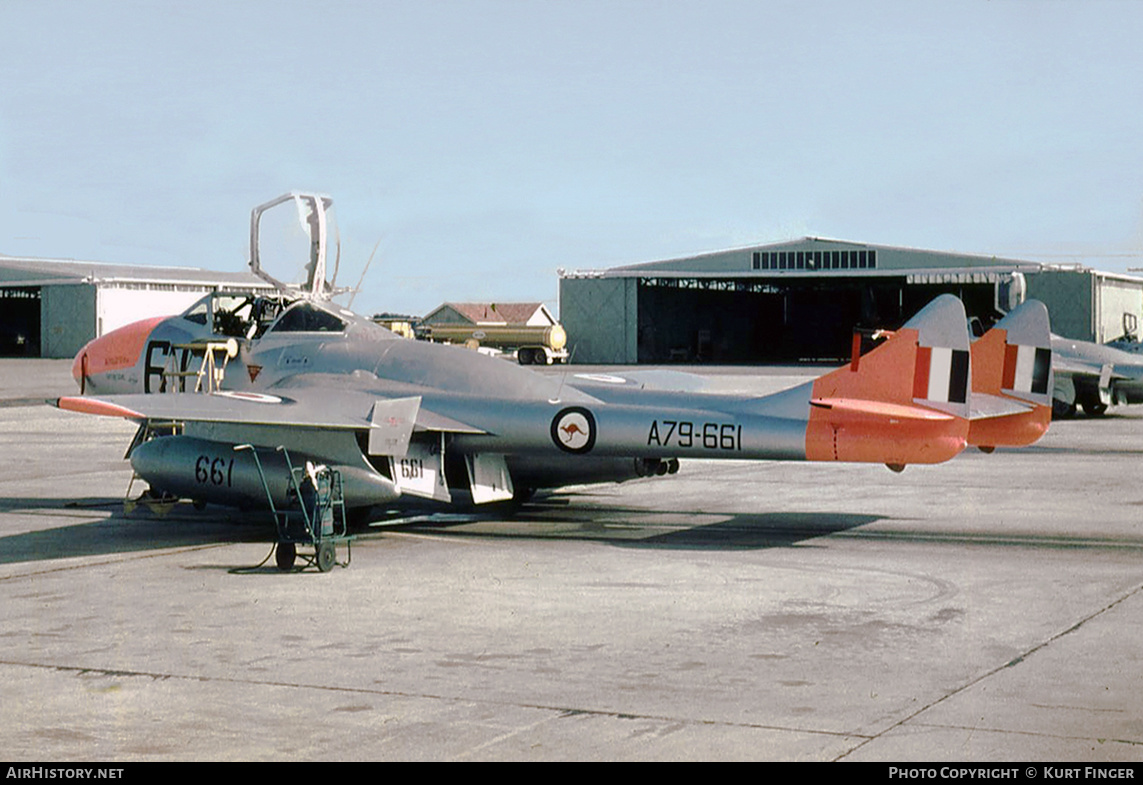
119,533
641,528
621,526
549,518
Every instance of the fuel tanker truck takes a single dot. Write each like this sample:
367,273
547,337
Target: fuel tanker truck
538,345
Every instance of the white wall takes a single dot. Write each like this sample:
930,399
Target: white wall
1115,298
116,307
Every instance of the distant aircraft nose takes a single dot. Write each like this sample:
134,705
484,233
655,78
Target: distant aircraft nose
117,349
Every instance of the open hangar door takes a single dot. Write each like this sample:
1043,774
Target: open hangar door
784,320
20,321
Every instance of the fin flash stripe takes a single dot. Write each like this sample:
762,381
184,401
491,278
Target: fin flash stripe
1026,368
941,374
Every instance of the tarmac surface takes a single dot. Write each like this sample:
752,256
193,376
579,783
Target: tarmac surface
987,609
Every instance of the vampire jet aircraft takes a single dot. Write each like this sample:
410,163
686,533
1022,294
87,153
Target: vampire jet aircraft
226,390
1093,376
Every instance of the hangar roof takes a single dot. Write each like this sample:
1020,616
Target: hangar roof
889,260
28,271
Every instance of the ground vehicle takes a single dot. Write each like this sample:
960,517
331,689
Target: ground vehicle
539,345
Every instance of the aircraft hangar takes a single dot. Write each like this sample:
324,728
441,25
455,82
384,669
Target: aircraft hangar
800,301
51,308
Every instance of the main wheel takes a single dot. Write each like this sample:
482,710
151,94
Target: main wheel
1094,409
284,555
1062,410
326,556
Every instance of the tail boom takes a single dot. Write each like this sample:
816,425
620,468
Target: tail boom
866,412
1012,380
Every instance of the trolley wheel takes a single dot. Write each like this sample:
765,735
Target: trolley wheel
326,556
284,555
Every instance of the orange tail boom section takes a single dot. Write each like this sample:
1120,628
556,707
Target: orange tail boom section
870,411
1011,363
869,415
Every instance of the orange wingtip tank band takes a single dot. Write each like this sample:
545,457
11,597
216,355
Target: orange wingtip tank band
96,406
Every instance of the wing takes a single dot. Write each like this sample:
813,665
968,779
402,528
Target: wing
307,403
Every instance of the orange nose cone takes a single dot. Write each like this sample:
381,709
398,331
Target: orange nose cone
79,368
118,349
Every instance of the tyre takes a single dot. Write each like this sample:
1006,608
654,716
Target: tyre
1062,410
285,555
326,556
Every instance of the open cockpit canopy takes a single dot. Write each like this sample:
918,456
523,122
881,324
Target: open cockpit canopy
294,244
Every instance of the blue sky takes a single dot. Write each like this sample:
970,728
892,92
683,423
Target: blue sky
485,143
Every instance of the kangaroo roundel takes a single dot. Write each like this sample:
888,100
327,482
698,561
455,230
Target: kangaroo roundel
573,430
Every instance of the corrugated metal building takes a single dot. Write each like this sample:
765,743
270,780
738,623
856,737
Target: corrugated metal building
51,308
801,300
